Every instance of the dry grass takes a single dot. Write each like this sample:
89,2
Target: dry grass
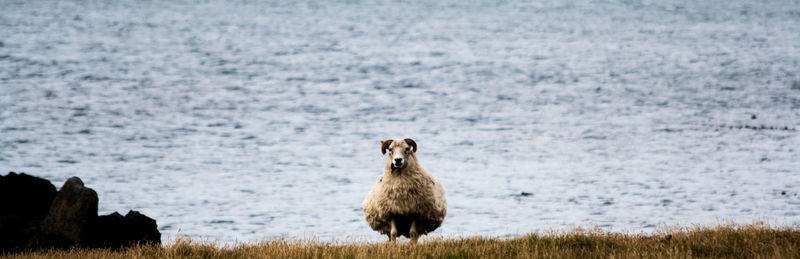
750,241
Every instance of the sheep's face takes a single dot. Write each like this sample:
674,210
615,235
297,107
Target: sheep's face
399,153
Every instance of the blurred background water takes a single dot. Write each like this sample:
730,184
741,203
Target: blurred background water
246,120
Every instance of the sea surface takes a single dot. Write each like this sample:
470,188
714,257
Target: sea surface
240,121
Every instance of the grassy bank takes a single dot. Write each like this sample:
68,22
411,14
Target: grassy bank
754,240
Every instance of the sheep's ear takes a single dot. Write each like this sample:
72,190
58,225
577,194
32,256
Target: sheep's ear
385,145
412,144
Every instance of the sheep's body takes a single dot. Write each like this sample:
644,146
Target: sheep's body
408,195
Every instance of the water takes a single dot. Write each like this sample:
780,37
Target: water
241,121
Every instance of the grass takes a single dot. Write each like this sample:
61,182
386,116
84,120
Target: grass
751,241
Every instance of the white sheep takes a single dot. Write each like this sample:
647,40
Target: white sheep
407,200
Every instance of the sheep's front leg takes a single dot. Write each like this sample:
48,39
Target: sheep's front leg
412,233
393,233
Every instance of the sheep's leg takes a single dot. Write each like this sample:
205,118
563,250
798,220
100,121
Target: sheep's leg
393,233
412,233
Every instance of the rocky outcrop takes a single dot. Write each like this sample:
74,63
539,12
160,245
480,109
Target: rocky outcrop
73,208
115,231
34,216
24,203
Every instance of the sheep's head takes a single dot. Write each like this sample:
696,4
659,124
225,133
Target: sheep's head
400,152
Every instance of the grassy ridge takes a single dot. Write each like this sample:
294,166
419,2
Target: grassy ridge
754,240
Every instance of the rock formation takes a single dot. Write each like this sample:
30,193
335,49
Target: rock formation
73,208
115,231
34,216
24,203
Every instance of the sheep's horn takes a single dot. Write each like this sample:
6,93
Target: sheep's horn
412,143
385,145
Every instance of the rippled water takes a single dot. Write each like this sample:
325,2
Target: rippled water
234,120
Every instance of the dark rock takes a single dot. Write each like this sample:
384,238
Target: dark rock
115,231
34,216
24,202
73,208
26,195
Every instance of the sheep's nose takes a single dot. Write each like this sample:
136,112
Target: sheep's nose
398,160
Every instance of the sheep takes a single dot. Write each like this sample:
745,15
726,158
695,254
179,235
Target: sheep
406,200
